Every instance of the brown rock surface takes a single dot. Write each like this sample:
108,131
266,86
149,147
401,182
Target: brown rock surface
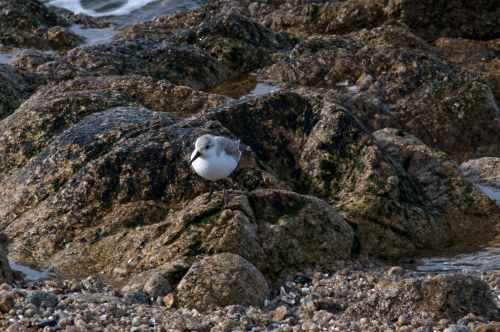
15,85
441,297
28,23
221,280
387,80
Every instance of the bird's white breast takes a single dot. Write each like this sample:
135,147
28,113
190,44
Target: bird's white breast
215,167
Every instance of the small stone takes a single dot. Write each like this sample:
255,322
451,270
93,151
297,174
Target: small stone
42,299
5,287
302,279
80,324
47,322
395,271
6,302
492,327
169,300
156,286
382,284
403,320
137,297
92,284
280,313
74,286
457,328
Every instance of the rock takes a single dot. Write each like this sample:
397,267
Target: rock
484,170
60,38
221,280
457,328
448,107
395,271
157,286
491,327
6,301
42,299
477,55
6,276
15,85
440,297
30,24
136,297
92,284
426,17
169,300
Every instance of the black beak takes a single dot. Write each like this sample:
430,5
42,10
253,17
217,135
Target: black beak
196,155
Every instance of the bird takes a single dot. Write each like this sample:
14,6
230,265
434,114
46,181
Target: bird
215,158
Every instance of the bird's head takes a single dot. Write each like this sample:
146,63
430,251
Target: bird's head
203,147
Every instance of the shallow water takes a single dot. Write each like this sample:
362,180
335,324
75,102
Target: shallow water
484,259
123,12
30,273
93,36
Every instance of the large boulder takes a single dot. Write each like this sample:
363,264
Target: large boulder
220,280
387,79
441,297
28,23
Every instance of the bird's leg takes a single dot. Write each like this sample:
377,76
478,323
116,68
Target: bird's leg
209,197
223,200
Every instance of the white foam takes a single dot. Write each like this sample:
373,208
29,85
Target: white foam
76,7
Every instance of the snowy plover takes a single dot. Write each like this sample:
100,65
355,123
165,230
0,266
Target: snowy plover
215,158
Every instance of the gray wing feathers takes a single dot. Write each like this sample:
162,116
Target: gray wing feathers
231,147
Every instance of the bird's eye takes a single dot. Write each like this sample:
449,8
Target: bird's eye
207,147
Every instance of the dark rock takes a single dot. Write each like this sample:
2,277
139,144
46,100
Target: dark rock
402,86
42,299
137,297
6,275
15,85
47,322
28,23
429,19
441,297
221,280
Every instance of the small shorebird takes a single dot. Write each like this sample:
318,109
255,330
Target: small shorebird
215,158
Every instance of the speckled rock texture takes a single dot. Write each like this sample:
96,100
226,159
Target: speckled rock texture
391,82
5,271
356,155
28,23
443,297
15,85
221,280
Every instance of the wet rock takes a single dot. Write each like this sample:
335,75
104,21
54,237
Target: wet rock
440,297
440,179
450,108
484,170
492,327
221,280
15,85
42,299
62,39
32,25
